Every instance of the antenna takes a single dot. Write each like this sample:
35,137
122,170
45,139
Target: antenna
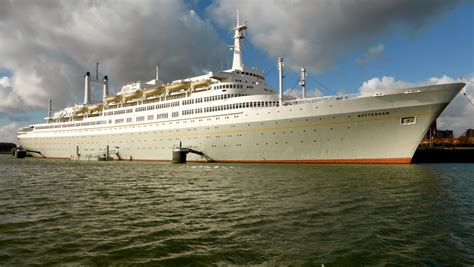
238,20
156,78
49,107
97,71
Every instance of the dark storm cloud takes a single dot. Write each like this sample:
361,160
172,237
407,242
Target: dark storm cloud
318,33
48,45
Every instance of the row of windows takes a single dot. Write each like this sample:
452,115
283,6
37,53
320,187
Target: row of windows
174,104
210,98
229,86
242,105
221,97
231,106
173,115
192,101
159,106
192,111
373,114
68,125
162,116
250,74
118,112
142,118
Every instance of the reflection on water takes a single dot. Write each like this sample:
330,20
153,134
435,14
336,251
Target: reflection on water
130,212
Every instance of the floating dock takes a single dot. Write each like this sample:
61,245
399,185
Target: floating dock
440,155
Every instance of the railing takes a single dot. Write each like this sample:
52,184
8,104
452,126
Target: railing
25,129
320,99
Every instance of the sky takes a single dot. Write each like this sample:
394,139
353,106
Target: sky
348,46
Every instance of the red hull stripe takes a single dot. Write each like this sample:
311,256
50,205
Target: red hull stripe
303,161
329,161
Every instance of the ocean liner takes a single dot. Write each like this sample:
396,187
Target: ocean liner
234,116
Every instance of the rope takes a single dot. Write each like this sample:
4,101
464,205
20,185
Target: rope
468,99
325,90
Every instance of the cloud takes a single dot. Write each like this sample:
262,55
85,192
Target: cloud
373,53
385,83
49,45
8,133
317,34
9,99
457,116
5,82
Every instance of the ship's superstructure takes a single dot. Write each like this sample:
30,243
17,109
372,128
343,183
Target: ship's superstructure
234,116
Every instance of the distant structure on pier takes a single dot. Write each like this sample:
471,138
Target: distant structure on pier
436,137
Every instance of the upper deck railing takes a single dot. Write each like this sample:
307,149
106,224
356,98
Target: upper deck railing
320,99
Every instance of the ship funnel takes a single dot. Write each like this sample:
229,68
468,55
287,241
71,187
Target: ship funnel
87,88
105,92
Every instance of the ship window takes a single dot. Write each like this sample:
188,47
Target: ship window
408,120
141,118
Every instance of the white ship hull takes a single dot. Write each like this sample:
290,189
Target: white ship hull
353,130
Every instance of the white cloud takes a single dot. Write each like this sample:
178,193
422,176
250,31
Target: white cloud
5,82
48,45
373,53
317,34
458,115
9,100
8,133
385,83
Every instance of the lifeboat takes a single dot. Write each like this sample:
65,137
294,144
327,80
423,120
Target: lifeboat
178,86
134,95
154,91
80,110
113,99
203,83
95,108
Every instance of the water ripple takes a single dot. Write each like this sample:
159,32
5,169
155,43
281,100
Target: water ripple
102,213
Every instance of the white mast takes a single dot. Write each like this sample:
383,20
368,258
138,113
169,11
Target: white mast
238,42
280,80
303,82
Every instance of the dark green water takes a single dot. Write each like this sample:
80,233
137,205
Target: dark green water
100,213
